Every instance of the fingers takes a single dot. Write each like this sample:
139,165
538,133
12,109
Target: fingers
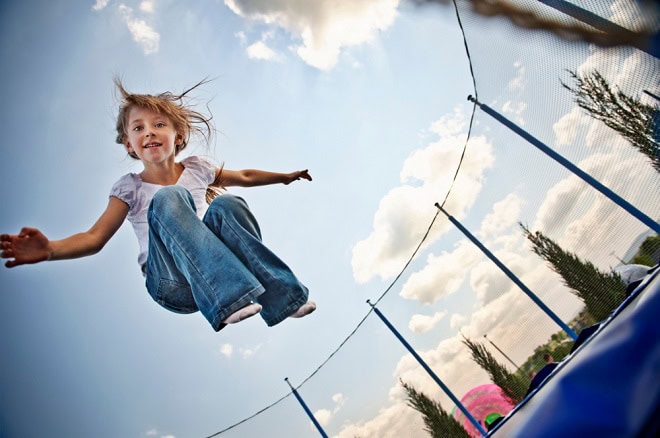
7,246
303,174
25,231
11,263
7,253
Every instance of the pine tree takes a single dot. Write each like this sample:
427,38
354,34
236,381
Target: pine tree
634,120
439,423
601,292
649,252
513,385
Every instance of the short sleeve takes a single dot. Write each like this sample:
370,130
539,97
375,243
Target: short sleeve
203,168
124,189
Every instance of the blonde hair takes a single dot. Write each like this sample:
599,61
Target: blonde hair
185,120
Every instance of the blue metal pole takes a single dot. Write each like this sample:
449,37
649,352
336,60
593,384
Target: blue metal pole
599,22
652,95
570,166
309,413
437,380
510,274
656,131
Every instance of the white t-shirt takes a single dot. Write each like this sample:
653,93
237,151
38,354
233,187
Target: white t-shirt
197,174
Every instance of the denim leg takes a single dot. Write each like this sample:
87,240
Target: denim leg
188,267
230,218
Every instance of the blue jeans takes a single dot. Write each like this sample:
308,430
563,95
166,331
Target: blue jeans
216,265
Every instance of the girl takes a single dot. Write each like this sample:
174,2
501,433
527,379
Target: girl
198,251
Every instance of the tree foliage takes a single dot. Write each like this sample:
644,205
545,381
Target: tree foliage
649,252
439,423
634,120
514,386
601,292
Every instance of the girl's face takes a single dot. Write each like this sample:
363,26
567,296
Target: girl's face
151,136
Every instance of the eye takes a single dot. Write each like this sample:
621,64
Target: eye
137,128
160,125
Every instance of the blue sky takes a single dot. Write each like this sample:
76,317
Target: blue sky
371,97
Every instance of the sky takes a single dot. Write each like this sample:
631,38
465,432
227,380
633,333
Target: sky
370,96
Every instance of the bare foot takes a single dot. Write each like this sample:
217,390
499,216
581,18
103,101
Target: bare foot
243,313
304,310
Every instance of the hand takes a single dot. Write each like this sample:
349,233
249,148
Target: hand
295,176
29,246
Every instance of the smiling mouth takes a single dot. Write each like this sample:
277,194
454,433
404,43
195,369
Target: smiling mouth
151,145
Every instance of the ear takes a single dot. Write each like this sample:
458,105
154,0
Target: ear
129,148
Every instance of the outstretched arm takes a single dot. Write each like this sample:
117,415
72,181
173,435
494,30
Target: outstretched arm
253,177
32,246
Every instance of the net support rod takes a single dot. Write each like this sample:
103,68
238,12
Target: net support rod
501,352
646,220
510,274
602,24
428,369
307,411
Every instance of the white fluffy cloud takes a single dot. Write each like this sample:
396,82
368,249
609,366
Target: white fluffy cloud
148,6
227,350
324,416
405,212
100,4
566,128
155,433
260,50
325,27
457,320
445,274
395,421
505,213
578,218
514,110
423,323
489,282
249,352
143,34
519,81
442,275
